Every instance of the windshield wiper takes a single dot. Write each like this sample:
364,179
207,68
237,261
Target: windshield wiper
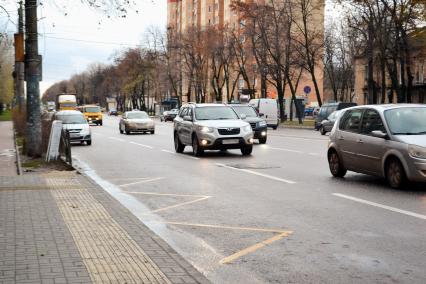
410,133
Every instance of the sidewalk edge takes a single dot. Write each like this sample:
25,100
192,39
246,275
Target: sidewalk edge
18,156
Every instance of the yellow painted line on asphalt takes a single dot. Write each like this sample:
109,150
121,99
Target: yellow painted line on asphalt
142,145
409,213
141,181
257,174
281,234
180,204
253,248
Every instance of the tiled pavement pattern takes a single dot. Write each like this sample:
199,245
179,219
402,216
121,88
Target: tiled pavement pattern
62,228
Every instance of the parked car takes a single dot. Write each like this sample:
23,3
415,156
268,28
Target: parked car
309,111
136,121
327,124
113,111
211,127
268,109
382,140
77,125
169,115
327,109
258,124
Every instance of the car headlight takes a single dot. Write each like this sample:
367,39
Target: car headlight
247,128
205,129
417,151
262,123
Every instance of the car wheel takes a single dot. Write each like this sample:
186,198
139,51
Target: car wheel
89,142
395,174
121,131
196,149
322,130
262,140
152,131
275,127
336,167
101,123
179,147
246,150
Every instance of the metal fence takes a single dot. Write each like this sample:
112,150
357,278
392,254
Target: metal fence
65,147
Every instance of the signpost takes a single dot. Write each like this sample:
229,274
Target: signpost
54,141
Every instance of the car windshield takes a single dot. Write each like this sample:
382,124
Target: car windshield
137,115
71,119
406,121
92,109
215,113
247,110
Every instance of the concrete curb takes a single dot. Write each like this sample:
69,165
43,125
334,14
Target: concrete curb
18,156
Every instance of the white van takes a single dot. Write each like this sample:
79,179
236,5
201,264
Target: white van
268,109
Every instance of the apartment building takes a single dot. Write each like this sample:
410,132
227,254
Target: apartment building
184,15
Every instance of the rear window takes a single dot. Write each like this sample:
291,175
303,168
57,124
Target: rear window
72,118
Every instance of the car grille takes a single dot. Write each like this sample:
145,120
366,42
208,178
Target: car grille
141,125
253,125
229,131
74,130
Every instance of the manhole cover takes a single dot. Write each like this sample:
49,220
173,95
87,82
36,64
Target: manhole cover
253,166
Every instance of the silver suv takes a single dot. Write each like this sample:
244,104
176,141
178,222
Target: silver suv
382,140
211,127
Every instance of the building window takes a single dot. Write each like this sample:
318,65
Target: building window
210,9
240,83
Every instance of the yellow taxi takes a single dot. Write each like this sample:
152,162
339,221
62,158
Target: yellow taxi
92,113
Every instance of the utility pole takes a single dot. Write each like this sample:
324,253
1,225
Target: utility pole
19,60
32,76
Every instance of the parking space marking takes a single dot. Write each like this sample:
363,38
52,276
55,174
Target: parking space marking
180,204
117,139
142,145
281,234
409,213
166,194
180,155
145,180
257,174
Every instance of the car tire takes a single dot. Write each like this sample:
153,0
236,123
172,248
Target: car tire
89,142
196,149
152,132
101,123
121,131
275,127
179,147
247,150
262,140
395,173
335,164
322,130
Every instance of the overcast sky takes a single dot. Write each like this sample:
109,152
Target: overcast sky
73,36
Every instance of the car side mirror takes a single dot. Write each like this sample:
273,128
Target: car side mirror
187,118
379,134
243,116
261,114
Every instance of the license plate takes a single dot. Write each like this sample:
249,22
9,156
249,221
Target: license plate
231,141
74,135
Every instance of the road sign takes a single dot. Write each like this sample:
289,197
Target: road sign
54,141
307,89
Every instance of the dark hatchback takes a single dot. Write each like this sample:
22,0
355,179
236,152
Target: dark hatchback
257,123
327,109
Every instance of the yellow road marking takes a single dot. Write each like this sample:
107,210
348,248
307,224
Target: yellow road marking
180,204
253,248
243,252
227,227
165,194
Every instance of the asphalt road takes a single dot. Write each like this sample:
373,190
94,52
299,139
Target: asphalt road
277,216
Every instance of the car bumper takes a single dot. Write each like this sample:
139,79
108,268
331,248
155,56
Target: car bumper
80,138
260,132
217,143
140,128
417,170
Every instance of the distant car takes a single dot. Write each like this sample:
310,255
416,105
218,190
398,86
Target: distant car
327,124
169,115
136,121
309,111
211,127
77,125
267,109
383,140
258,124
327,109
113,111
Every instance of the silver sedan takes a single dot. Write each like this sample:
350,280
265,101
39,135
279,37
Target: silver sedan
136,121
381,140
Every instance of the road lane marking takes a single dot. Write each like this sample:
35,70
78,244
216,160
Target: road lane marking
257,174
286,150
165,194
253,248
180,204
281,234
142,145
297,137
141,181
409,213
117,139
180,155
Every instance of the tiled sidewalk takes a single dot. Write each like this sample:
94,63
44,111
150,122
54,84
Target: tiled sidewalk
62,228
7,150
